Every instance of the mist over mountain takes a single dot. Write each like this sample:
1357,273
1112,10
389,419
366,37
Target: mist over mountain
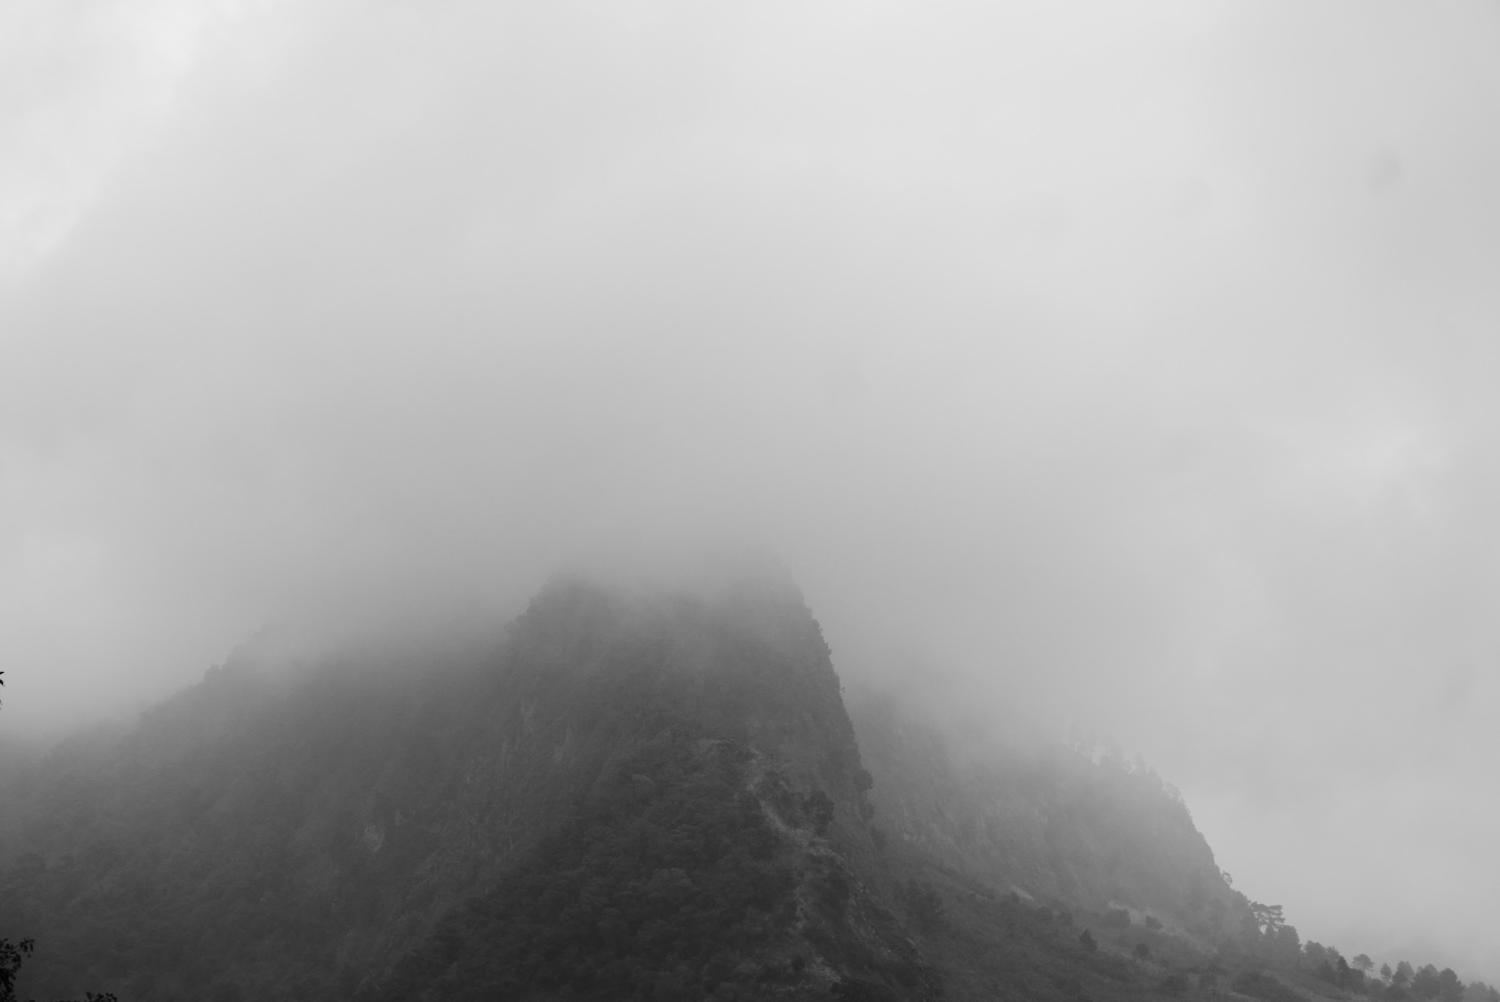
650,791
1120,371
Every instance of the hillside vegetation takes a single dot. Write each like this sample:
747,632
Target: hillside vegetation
668,787
626,795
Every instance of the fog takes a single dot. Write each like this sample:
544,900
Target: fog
1123,366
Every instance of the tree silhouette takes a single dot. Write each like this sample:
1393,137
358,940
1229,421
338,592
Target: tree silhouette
1268,918
11,955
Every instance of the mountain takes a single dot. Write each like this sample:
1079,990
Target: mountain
637,794
629,793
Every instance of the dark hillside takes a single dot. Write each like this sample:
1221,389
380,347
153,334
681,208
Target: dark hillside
627,795
318,837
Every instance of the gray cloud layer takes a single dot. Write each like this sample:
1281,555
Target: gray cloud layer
1128,365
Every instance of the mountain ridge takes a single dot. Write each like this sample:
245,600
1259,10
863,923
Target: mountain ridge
630,793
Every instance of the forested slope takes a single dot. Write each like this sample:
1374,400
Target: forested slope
1055,821
1078,873
683,762
624,795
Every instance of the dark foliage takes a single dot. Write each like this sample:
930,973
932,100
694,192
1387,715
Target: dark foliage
12,955
669,891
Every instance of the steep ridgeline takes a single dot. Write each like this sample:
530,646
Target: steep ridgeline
1051,823
627,797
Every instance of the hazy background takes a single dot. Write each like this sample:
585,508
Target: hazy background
1129,365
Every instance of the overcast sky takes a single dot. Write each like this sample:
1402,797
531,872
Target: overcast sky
1132,364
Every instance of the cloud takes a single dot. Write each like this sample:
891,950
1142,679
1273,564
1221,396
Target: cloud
84,88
